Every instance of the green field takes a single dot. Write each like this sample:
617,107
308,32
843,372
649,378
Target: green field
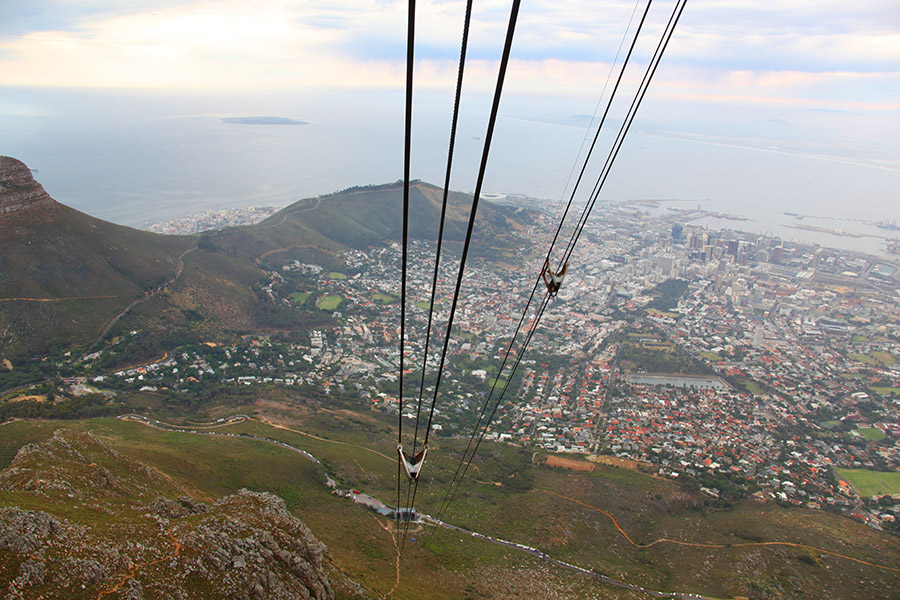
423,305
336,275
871,433
752,386
329,302
384,298
497,381
875,358
711,356
871,483
886,391
299,298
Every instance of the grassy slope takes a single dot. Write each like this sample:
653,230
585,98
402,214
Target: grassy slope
62,253
360,217
871,483
646,508
59,252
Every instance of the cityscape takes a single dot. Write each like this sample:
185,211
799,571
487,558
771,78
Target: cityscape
736,363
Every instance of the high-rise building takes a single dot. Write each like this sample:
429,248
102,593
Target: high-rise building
777,255
731,247
665,264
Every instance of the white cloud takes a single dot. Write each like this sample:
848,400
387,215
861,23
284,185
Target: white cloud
822,53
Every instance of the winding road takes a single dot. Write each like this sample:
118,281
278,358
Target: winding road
370,502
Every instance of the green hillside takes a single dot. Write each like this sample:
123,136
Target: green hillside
630,526
364,216
64,274
68,279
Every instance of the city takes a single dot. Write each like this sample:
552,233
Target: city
774,365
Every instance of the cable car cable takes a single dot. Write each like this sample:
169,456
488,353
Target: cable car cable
489,134
555,237
677,11
625,127
410,56
453,126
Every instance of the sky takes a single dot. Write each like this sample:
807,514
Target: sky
823,54
807,78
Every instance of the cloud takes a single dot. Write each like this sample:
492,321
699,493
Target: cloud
821,53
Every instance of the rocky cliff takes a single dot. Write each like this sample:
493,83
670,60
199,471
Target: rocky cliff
18,189
83,521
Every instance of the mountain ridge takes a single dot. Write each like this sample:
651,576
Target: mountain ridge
66,276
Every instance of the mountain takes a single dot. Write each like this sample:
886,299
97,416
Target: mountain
85,521
67,278
361,217
64,274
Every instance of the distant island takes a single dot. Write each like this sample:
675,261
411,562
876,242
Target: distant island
264,121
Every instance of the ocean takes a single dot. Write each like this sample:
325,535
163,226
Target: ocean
140,157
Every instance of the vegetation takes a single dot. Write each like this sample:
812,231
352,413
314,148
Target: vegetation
329,302
300,298
507,493
882,359
666,294
384,298
872,434
79,407
871,483
642,351
886,391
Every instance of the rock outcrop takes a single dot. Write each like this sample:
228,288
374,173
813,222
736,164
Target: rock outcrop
18,189
90,520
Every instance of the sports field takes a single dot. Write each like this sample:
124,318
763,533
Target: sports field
871,483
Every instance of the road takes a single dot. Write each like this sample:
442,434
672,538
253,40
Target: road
377,505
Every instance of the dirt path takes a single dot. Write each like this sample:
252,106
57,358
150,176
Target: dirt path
130,575
321,439
716,546
59,299
178,271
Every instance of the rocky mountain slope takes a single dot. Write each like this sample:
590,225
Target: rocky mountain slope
81,520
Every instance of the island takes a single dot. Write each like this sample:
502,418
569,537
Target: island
263,121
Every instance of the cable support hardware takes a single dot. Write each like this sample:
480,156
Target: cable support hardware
489,134
553,280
